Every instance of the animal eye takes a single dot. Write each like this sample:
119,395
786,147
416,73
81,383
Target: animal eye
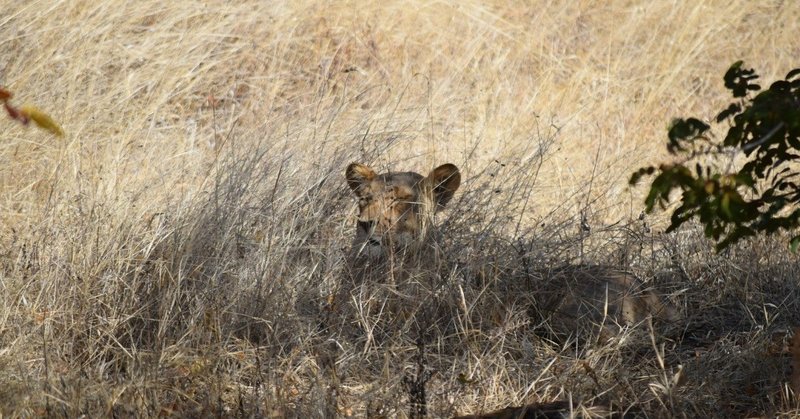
406,199
366,225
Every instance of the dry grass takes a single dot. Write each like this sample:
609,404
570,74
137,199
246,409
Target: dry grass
174,253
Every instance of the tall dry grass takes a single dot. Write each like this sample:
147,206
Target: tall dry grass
175,253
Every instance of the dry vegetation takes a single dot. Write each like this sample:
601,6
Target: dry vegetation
173,254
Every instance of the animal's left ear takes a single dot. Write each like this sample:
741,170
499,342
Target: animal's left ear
444,181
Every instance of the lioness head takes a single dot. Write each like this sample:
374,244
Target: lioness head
395,209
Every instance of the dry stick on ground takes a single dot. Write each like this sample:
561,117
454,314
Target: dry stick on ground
418,405
794,380
554,410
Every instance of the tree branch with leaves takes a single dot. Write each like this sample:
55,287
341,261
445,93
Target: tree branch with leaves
763,137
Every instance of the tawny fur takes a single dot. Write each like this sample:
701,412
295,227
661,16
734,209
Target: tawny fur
396,209
597,300
394,226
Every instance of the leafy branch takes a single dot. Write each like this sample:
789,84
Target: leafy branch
762,196
27,113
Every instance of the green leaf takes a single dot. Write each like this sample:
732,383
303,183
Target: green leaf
745,179
793,243
637,175
737,79
684,130
732,109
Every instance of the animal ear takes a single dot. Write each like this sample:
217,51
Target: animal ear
444,181
358,175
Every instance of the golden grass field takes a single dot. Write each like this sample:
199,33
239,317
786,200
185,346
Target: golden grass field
171,255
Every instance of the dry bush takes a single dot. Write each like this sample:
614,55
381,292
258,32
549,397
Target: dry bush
176,253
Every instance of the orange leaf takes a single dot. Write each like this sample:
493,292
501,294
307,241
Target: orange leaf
5,94
14,113
42,119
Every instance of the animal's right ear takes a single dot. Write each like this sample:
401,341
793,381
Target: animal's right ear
358,176
444,181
